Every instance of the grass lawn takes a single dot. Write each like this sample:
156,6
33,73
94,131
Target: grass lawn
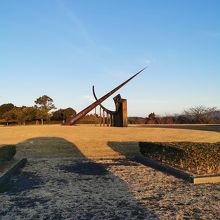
94,141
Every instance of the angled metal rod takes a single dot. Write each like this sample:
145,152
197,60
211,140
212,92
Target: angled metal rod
82,113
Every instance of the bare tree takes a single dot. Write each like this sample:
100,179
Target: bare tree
200,114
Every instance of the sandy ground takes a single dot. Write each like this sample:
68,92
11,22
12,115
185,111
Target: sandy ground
66,179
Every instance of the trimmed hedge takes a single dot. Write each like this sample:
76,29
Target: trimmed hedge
196,158
7,152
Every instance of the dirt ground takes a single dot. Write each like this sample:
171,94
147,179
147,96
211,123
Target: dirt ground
82,172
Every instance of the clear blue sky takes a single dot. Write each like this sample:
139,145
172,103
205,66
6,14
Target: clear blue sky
61,48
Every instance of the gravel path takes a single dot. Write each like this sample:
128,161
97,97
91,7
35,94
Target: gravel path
104,189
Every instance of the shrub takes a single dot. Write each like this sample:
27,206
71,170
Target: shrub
7,152
197,158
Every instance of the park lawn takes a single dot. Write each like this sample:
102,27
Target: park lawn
93,141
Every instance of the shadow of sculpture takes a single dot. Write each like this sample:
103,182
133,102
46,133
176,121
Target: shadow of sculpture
89,168
59,182
128,149
27,181
47,147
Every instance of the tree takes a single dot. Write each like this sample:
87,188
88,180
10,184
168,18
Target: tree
42,114
182,119
152,116
68,112
10,116
20,115
63,114
45,102
28,114
152,119
214,117
200,114
5,108
167,120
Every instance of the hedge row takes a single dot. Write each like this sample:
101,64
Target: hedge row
197,158
7,152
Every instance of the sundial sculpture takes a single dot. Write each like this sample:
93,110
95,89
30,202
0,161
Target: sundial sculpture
117,118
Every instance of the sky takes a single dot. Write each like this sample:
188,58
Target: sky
61,48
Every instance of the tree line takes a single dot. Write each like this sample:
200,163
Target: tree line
193,115
43,110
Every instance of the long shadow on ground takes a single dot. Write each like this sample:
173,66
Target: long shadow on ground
64,184
89,168
47,147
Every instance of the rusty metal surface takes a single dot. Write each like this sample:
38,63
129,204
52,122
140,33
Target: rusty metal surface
82,113
103,108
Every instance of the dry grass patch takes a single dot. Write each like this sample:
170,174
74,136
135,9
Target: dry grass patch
93,141
196,158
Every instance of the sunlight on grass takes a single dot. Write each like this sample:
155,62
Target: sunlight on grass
93,141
